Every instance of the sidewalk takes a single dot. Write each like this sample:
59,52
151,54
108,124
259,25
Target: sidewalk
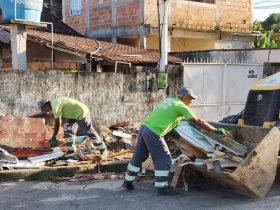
51,173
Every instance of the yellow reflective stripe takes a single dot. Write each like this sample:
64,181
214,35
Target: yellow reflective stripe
161,184
161,173
133,168
129,178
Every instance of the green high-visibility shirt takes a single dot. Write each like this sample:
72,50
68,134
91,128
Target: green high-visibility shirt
167,115
69,108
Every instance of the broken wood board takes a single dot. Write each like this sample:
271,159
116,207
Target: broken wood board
148,164
42,158
26,153
122,134
188,149
255,175
178,169
194,137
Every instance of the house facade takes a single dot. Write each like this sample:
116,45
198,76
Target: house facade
66,49
193,24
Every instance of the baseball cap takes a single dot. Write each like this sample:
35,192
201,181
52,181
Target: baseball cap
186,91
42,103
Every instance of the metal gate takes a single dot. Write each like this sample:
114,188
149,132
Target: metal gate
221,88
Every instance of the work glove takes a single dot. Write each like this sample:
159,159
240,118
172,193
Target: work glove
53,142
221,131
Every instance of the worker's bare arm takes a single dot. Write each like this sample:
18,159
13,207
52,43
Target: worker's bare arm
57,124
202,124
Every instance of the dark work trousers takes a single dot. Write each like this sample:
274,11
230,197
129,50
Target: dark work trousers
85,125
148,142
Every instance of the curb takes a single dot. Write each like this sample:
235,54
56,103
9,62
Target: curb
51,173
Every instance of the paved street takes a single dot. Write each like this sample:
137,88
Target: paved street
109,195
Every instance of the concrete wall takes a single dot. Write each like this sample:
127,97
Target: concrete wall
232,56
111,97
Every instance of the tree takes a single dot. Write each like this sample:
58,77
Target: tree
272,23
265,40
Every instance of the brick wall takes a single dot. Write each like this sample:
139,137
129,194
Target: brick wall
21,131
128,14
101,15
234,15
76,21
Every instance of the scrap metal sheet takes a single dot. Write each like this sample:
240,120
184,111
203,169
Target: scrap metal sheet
193,136
188,132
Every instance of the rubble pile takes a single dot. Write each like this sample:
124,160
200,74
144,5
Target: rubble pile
119,138
207,150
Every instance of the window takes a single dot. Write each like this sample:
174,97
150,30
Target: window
75,7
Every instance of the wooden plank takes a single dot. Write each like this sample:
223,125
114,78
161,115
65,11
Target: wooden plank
177,173
218,153
235,158
182,144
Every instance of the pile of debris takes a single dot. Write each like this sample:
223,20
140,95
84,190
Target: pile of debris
118,138
207,151
214,152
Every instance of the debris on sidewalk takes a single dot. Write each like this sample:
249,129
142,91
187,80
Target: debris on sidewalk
212,150
122,134
23,164
24,153
56,153
93,177
119,138
5,157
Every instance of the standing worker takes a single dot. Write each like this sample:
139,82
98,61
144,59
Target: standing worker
77,115
151,134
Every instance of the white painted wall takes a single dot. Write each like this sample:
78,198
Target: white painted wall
221,88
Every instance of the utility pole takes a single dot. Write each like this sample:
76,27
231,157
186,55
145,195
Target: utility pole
163,33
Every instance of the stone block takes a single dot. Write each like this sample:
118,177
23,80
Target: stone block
21,131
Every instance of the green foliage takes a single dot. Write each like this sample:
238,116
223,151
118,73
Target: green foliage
265,40
71,71
272,23
47,3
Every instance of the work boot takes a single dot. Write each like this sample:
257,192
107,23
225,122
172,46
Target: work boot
167,190
127,185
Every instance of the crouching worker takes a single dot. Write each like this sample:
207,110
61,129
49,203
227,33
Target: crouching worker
150,139
76,116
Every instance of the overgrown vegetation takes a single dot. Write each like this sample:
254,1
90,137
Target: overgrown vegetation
47,3
269,29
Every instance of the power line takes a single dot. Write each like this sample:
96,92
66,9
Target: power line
275,6
266,1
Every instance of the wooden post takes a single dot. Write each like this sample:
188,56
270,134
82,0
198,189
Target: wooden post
177,173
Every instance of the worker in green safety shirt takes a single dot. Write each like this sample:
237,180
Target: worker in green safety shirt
151,134
76,116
